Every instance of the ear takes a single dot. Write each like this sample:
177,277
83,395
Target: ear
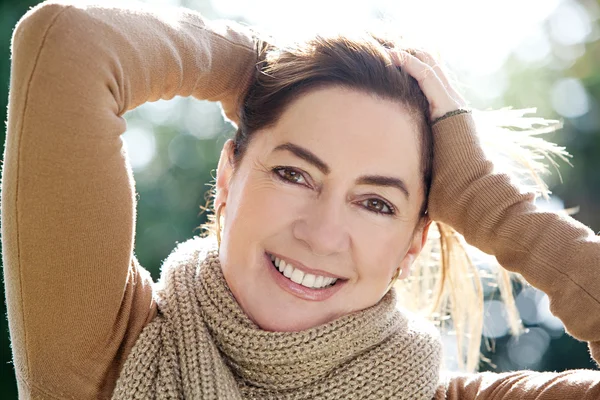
418,242
224,173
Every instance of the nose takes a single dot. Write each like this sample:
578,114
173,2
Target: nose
324,226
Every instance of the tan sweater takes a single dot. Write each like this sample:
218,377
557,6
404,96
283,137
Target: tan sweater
202,345
77,298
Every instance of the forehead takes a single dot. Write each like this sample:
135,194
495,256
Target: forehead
353,130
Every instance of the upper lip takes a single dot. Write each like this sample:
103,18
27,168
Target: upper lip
304,268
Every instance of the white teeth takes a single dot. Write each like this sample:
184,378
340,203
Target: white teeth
329,281
308,280
319,282
299,277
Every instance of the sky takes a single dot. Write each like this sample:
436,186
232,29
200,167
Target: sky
479,33
473,37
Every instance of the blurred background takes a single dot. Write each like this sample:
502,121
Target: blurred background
520,53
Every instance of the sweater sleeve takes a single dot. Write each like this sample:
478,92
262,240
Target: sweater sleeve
77,298
554,253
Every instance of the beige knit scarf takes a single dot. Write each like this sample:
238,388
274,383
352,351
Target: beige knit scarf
201,345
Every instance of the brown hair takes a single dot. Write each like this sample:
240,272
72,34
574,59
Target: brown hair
444,282
362,63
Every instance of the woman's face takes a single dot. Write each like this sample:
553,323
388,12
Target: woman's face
333,190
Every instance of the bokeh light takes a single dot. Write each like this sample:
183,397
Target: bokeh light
527,350
141,145
534,53
569,98
495,323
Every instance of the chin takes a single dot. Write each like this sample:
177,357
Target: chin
273,308
288,323
278,312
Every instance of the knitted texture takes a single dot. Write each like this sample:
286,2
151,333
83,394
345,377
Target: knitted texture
202,345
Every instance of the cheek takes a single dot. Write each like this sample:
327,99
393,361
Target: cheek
254,214
259,207
379,251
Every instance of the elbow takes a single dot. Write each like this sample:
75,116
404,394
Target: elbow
31,31
35,23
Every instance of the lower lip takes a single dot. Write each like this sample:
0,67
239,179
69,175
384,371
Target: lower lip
298,290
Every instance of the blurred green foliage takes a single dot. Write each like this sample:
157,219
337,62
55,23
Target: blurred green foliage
173,185
10,12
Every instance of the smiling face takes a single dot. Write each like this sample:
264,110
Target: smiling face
333,189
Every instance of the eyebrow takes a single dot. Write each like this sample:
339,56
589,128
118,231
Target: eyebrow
379,180
312,158
304,154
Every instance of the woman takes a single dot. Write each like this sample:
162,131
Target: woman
330,176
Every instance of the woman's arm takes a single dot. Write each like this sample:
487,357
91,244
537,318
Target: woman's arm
77,299
522,385
554,253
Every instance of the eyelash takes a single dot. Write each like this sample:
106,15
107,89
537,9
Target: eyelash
391,212
282,169
278,173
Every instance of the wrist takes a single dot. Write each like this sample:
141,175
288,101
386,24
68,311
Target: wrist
451,114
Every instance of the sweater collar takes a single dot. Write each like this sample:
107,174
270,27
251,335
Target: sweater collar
288,360
202,346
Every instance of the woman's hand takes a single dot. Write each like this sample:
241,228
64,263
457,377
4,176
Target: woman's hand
434,83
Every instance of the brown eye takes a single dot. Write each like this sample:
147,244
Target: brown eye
377,205
290,175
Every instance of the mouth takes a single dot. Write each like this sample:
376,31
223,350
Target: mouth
296,275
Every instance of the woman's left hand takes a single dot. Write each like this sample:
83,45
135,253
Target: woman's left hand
432,80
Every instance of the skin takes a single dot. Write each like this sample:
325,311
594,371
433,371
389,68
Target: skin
326,220
433,81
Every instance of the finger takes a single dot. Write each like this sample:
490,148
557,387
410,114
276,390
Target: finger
428,59
431,85
439,69
419,70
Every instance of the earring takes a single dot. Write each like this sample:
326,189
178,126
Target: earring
218,223
394,278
